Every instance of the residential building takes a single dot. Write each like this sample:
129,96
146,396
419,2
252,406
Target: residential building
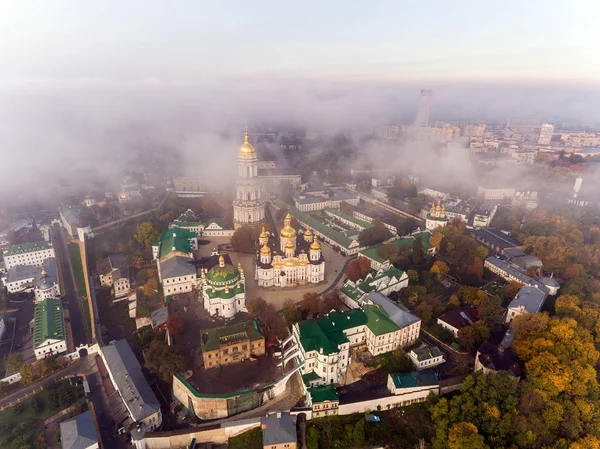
248,206
174,254
324,399
126,375
279,431
496,240
484,215
427,357
390,131
290,261
424,106
522,259
495,193
114,273
436,217
508,271
231,344
490,359
213,227
223,286
176,240
49,336
546,133
529,299
457,319
2,326
386,280
413,387
79,432
319,198
524,157
473,130
33,253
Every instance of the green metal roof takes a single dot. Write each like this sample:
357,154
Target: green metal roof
324,393
48,322
26,248
373,253
327,332
181,242
310,377
225,294
223,274
211,339
311,222
378,321
351,218
363,286
414,379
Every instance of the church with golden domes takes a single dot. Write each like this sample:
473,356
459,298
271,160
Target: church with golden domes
436,217
248,205
223,286
288,261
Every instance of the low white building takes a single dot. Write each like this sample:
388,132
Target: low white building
210,228
495,193
42,280
387,279
33,253
415,387
319,198
529,299
126,376
484,215
223,286
113,272
456,319
49,336
428,357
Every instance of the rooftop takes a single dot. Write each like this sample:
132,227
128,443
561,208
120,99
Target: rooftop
496,238
48,322
280,428
324,393
176,266
378,322
396,312
212,339
326,333
427,353
512,271
459,317
384,277
414,379
493,359
126,373
373,253
531,298
26,248
78,432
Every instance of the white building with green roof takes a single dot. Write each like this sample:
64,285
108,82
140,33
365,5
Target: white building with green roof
223,286
212,227
174,254
377,262
436,217
31,253
49,336
385,280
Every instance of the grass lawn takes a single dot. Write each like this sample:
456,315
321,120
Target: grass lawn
251,439
85,304
21,425
75,256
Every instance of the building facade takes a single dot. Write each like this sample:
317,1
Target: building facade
436,217
296,261
385,280
248,206
231,344
34,253
427,357
113,272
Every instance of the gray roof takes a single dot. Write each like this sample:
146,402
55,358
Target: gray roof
24,272
127,375
512,270
78,432
176,266
279,430
427,353
159,316
532,298
113,262
397,312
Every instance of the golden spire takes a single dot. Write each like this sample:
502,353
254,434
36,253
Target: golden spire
315,245
439,206
432,211
263,234
288,219
221,260
247,149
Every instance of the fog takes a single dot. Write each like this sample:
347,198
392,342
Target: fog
86,130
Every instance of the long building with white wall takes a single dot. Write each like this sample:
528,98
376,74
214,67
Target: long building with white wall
32,253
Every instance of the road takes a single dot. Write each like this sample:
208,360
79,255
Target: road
70,296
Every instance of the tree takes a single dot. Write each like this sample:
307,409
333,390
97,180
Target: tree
470,337
13,363
374,235
151,285
439,267
346,208
241,240
358,269
312,438
413,276
389,251
27,374
165,360
464,435
175,324
512,288
436,238
491,312
425,312
145,234
418,254
290,312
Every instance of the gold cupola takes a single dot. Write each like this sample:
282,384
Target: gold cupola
289,245
308,235
265,250
263,235
247,149
432,211
287,232
315,245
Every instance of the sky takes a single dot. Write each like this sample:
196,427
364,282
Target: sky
84,83
388,41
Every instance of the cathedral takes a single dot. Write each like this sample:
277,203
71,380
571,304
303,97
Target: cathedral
248,206
291,260
436,217
223,286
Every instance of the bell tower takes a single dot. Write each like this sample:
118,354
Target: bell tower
248,206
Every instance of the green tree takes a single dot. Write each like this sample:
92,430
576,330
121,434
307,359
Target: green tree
425,311
27,375
312,438
145,234
418,254
13,363
374,235
165,360
290,311
242,239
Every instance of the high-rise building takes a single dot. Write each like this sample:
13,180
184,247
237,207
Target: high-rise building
546,132
424,105
248,206
473,130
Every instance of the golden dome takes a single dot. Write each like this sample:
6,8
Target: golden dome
287,232
308,233
247,149
263,234
290,263
289,245
315,245
265,250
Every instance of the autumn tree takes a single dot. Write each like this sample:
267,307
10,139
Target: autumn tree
165,360
471,337
257,307
290,312
464,435
358,269
439,267
13,363
151,285
175,324
512,288
413,275
374,235
424,311
241,240
389,251
145,234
